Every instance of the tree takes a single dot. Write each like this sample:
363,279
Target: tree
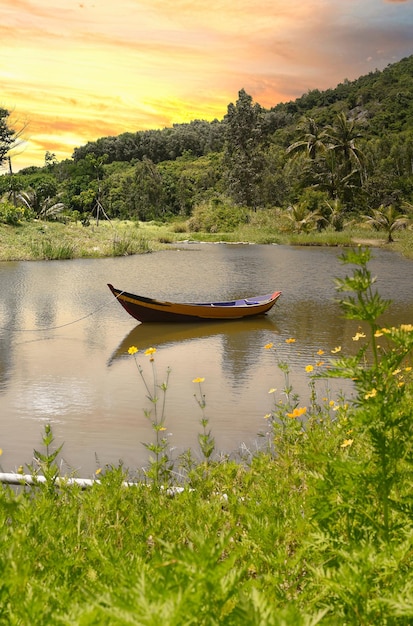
342,136
37,192
313,138
333,160
303,220
148,194
44,208
7,135
244,154
387,219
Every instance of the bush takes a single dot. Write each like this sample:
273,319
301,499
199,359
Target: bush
217,216
13,215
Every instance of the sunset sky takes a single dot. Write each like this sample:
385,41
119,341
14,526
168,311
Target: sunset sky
76,70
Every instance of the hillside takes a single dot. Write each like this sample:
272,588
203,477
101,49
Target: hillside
382,99
324,160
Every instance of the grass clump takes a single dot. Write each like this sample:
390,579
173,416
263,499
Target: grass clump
47,250
314,527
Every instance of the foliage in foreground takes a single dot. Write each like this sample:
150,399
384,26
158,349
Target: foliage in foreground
316,528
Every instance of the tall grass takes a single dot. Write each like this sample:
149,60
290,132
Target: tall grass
127,245
52,251
315,527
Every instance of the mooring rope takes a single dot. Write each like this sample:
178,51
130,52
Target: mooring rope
46,328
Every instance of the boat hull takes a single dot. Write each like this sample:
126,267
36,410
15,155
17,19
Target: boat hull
150,310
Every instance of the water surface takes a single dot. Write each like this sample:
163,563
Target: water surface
64,341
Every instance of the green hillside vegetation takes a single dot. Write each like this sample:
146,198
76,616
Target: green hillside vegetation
328,162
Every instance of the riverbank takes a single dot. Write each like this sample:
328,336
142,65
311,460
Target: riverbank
52,240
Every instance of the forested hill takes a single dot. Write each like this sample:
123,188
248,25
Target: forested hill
382,99
329,157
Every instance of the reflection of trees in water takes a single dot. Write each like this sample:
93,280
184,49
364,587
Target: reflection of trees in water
5,361
242,351
239,339
45,312
6,346
13,308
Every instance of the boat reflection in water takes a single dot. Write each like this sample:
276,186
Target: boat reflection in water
240,340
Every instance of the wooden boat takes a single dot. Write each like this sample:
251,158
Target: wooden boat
150,310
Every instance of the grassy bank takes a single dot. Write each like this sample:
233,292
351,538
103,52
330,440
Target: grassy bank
52,240
314,528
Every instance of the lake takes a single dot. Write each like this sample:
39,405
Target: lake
64,341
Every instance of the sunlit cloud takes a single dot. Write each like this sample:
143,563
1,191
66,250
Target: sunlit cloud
77,71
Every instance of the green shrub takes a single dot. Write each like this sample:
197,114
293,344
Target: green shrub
13,215
216,216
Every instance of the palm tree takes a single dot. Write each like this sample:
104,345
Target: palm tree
333,176
45,208
387,219
312,140
303,220
336,214
342,138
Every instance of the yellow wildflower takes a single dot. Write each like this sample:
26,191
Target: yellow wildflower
358,336
336,349
150,351
396,372
320,352
1,451
273,390
408,369
198,380
320,363
400,383
290,340
378,333
267,416
98,471
406,327
346,443
370,394
268,346
309,368
298,412
133,350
